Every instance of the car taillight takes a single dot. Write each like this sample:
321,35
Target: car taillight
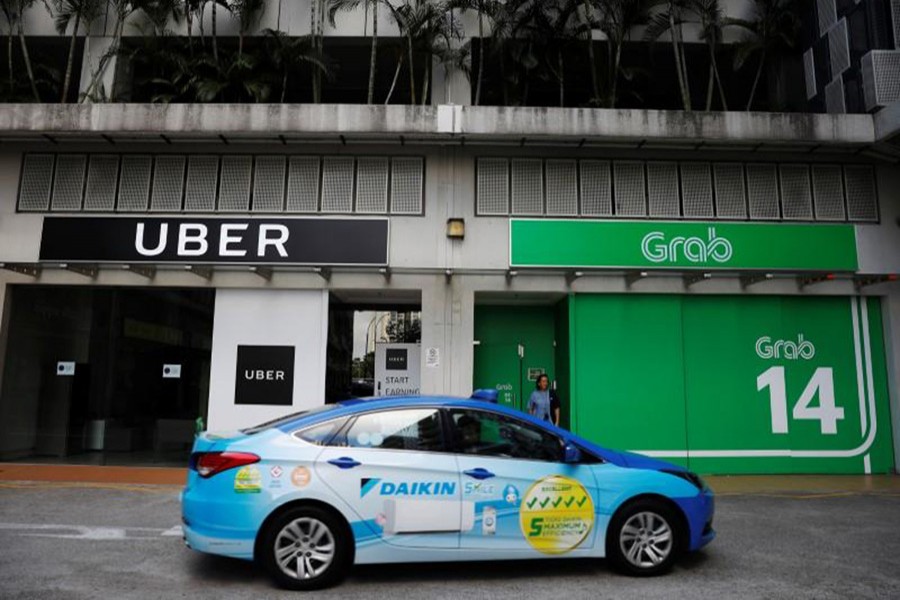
208,464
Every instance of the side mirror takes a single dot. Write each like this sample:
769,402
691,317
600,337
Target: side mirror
572,454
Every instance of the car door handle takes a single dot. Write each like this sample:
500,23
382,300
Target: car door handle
344,462
479,473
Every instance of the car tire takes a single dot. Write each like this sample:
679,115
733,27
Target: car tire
644,538
306,548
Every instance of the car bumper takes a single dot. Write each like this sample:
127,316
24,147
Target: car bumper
699,510
216,526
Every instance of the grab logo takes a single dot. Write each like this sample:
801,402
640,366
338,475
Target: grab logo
657,249
766,348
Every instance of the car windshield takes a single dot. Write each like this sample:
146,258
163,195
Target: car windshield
288,418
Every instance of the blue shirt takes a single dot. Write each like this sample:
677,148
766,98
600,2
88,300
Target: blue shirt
539,404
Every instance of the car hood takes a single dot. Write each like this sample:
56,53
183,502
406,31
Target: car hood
632,460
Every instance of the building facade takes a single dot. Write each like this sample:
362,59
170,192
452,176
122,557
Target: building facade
715,288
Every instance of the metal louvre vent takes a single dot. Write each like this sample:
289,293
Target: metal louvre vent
407,175
168,183
762,191
337,184
493,186
234,184
68,184
696,190
796,197
303,184
562,187
834,97
37,181
134,182
268,184
662,189
596,188
527,186
372,185
881,78
839,48
827,13
828,191
862,202
202,182
630,193
809,73
731,196
103,176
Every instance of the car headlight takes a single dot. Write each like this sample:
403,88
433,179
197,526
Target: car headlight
690,477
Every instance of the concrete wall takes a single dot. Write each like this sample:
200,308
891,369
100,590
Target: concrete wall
296,318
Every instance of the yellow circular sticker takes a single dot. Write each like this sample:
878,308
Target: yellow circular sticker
556,514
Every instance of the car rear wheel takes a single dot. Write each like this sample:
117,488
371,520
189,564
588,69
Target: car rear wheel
306,548
644,538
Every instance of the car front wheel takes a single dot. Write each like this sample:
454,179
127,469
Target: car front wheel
306,548
644,538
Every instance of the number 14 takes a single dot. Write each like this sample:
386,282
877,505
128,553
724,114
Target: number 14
822,382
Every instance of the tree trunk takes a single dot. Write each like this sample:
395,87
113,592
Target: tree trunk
9,56
215,43
412,70
615,76
201,14
719,81
592,60
25,55
189,17
762,61
284,82
426,79
709,89
70,60
480,52
370,98
241,42
313,25
400,62
679,67
562,78
104,60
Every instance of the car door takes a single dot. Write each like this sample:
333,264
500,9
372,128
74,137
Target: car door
525,496
392,467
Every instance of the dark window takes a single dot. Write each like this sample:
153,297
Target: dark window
415,429
321,434
491,434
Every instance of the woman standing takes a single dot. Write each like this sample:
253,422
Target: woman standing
544,403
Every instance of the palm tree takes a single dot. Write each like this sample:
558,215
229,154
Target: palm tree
340,5
711,18
616,19
14,10
671,20
247,12
485,9
773,29
289,53
83,12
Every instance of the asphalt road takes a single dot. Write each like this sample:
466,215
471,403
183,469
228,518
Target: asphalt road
67,541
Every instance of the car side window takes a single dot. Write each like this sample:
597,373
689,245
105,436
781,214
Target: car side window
321,434
490,434
413,429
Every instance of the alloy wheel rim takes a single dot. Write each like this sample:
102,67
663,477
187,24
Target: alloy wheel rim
646,539
304,548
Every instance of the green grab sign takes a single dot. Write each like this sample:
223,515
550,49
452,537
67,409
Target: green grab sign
734,384
681,245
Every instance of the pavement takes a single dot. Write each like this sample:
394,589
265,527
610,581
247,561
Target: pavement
778,537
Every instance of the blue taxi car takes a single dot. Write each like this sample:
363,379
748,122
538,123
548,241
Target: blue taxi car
424,479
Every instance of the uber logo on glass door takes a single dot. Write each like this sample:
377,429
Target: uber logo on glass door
265,375
395,359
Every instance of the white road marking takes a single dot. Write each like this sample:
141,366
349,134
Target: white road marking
85,532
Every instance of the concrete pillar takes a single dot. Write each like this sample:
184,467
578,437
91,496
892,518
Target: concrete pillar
448,326
891,311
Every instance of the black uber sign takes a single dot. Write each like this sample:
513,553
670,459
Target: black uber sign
265,375
395,359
